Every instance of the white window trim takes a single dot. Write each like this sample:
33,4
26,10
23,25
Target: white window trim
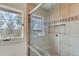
10,8
15,10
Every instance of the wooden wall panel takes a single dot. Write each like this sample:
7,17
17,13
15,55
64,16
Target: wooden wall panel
64,10
74,9
30,7
60,11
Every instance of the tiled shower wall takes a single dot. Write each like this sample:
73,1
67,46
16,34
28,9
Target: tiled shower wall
65,44
69,44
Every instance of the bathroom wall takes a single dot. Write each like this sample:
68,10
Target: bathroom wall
30,6
17,49
59,11
68,44
74,38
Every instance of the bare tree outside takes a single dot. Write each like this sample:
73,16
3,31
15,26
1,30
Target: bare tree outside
10,25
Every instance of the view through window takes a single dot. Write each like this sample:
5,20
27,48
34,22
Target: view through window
10,25
37,26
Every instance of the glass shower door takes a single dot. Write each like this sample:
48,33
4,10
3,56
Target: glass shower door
37,32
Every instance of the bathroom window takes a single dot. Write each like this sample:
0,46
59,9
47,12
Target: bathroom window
38,26
10,25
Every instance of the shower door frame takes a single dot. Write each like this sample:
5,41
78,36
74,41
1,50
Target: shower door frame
29,22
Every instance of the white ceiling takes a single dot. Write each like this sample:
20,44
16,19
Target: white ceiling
47,6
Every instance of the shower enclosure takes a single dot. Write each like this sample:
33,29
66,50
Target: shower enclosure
45,38
53,30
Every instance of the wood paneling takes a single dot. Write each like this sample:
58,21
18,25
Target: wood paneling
74,9
30,7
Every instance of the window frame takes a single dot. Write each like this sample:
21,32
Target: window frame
14,10
42,18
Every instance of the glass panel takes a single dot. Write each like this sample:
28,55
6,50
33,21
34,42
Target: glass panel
48,38
39,31
61,30
37,26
